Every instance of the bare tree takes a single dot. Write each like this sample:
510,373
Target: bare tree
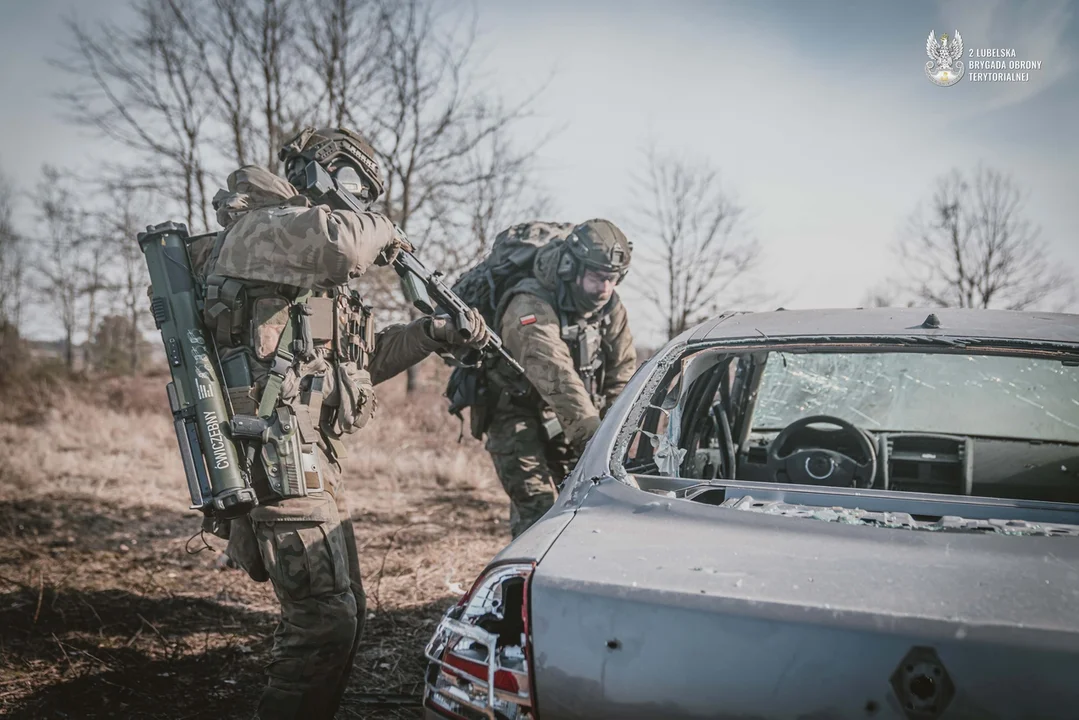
88,265
256,68
216,30
120,227
264,99
429,121
429,118
275,31
275,65
972,246
342,45
148,88
245,74
12,280
507,191
12,260
58,262
93,282
697,246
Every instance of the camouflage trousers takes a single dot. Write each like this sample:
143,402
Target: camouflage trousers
529,467
306,547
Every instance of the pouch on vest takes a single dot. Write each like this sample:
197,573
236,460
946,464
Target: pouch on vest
275,433
349,401
468,388
269,316
585,340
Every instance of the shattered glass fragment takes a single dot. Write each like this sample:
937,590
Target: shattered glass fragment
666,453
899,520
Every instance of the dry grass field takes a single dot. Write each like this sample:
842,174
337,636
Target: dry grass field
112,606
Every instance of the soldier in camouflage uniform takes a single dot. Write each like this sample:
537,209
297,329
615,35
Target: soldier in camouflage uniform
568,329
294,339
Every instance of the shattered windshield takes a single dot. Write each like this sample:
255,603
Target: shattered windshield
978,395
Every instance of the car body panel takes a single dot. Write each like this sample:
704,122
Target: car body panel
771,617
533,543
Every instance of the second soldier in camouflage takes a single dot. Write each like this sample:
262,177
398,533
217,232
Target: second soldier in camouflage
568,328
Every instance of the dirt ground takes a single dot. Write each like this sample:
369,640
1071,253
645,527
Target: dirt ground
112,605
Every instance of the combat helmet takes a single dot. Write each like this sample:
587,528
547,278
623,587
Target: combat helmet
599,245
341,151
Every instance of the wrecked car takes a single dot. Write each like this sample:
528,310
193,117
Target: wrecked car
801,514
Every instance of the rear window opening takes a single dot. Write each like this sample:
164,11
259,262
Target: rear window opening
955,423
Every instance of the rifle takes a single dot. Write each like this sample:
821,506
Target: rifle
421,285
408,267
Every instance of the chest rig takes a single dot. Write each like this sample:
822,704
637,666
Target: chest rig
584,337
294,364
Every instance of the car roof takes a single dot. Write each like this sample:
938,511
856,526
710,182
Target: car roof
848,323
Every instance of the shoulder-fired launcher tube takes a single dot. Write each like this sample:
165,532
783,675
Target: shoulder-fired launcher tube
195,396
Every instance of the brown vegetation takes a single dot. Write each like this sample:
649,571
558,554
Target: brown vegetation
112,606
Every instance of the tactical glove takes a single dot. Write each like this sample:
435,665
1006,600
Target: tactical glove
588,427
394,246
444,331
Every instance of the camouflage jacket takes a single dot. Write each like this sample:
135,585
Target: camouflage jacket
531,317
275,236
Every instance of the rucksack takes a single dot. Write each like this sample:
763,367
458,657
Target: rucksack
510,261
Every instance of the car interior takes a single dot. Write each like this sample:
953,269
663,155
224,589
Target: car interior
960,424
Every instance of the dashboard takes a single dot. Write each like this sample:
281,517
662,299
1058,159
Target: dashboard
948,464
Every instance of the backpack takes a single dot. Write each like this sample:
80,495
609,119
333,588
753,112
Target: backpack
510,261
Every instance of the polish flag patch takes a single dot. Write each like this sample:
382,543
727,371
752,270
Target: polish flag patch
528,319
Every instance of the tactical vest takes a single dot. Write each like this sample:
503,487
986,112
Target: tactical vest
585,341
583,337
297,360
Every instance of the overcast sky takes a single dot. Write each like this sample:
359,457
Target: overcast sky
818,114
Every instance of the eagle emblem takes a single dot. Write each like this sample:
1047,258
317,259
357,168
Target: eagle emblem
944,67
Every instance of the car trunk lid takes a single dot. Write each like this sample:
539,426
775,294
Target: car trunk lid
657,607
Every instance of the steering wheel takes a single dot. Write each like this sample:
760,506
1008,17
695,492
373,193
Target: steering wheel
820,466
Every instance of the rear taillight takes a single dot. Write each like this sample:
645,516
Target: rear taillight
480,652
